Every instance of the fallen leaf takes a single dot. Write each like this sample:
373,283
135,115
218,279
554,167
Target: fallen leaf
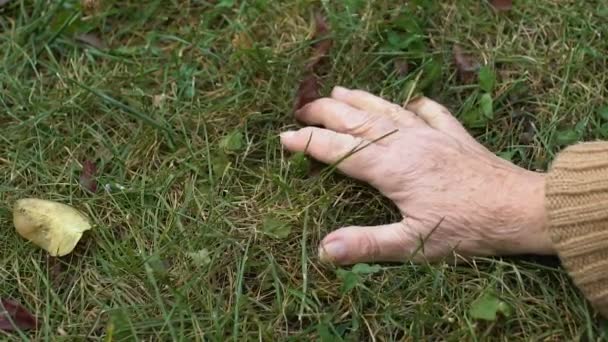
322,45
4,2
159,100
55,271
91,39
529,131
526,138
502,5
61,332
402,67
14,316
241,41
53,226
91,6
308,91
466,65
309,88
87,177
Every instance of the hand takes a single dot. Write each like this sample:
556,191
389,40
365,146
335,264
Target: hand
456,197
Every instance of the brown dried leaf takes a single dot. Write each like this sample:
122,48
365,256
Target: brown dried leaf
502,5
91,7
309,88
159,100
55,270
91,39
241,41
308,91
87,177
321,47
402,67
466,65
14,316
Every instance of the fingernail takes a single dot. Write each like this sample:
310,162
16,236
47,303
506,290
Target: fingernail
340,91
332,251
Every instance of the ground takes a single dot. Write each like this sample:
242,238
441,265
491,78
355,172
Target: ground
205,229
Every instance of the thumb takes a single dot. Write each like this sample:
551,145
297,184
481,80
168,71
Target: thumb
351,245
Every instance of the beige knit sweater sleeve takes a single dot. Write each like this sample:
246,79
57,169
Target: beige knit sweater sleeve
577,208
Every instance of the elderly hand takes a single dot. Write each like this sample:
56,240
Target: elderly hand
456,197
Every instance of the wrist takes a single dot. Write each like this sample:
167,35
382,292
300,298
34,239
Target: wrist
532,227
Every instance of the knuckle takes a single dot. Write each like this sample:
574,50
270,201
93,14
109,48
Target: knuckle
359,126
444,111
313,107
307,132
339,143
370,247
321,103
394,111
357,93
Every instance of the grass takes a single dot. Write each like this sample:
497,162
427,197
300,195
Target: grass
181,114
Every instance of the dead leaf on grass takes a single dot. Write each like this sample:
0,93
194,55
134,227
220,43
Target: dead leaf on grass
87,177
55,271
54,227
91,39
320,49
466,65
402,67
14,316
502,5
91,6
159,100
308,91
241,41
309,87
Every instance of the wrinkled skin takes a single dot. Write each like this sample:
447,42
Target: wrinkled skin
456,197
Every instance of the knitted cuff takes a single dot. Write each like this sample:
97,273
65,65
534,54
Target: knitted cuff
577,209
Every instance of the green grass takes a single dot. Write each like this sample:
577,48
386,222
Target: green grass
183,110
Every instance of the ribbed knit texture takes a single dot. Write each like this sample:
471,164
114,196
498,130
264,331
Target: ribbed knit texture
577,208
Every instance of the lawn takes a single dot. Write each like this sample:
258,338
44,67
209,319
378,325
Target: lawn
205,229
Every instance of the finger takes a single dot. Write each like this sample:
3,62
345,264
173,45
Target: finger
355,155
440,118
351,245
437,116
374,104
340,117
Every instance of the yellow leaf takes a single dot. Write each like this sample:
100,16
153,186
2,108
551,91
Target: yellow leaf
53,226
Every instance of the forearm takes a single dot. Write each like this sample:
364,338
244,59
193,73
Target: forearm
577,212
